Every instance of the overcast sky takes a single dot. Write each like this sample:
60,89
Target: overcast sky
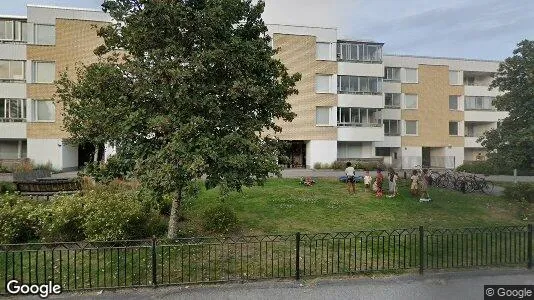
485,29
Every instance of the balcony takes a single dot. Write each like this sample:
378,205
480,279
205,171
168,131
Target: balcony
13,129
391,140
360,69
471,142
480,90
484,115
361,100
360,132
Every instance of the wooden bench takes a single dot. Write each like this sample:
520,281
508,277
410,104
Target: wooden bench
46,187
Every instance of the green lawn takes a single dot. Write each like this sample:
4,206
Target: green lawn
285,206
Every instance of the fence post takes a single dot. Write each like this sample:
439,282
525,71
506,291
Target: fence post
297,256
154,283
421,249
529,246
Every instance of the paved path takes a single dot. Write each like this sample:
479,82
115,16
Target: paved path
298,173
449,286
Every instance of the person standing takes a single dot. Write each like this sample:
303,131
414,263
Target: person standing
424,187
414,187
392,183
379,182
349,171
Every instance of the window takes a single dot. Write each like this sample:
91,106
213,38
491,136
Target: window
44,72
454,78
392,100
391,127
322,83
453,128
323,51
355,116
11,70
411,75
12,30
382,151
392,74
362,52
44,110
479,103
356,84
45,34
12,110
411,127
322,115
469,80
453,102
410,101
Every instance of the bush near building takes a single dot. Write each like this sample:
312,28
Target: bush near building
489,168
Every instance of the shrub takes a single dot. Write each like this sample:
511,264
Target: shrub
63,219
480,167
111,215
18,219
520,192
220,218
4,169
339,165
7,187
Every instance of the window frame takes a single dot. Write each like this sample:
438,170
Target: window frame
388,71
22,110
457,97
388,131
317,109
36,70
359,81
9,70
458,80
397,96
416,128
382,148
416,101
36,35
329,78
35,111
457,128
345,51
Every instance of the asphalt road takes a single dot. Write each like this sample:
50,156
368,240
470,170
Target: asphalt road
449,286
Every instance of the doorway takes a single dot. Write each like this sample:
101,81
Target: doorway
426,157
297,154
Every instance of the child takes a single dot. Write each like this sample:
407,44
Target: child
349,171
424,187
367,180
379,181
414,188
392,180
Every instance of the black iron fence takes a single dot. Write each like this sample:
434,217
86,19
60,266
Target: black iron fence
137,263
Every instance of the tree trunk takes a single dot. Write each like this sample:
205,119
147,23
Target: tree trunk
174,219
95,155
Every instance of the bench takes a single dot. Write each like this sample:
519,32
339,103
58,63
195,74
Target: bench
47,187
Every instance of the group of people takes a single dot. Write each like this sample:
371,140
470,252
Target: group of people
376,185
418,188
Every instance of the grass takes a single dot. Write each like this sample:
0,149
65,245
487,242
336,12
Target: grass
285,206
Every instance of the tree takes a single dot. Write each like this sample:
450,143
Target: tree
511,144
195,93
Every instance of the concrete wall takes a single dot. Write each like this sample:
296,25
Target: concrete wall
42,151
69,156
354,100
411,156
12,90
360,133
360,69
320,151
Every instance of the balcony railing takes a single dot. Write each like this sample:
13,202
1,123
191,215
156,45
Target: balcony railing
391,133
358,92
352,124
392,106
11,120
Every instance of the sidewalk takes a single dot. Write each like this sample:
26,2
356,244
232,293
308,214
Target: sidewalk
432,285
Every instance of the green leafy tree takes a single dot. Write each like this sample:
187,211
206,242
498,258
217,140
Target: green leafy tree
512,143
196,91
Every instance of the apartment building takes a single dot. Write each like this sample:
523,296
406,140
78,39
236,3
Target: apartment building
355,103
34,51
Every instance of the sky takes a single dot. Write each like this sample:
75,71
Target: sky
483,29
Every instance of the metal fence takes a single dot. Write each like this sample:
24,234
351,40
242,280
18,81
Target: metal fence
138,263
